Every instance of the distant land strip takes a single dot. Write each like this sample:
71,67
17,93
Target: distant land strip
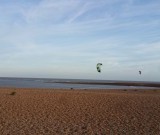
113,83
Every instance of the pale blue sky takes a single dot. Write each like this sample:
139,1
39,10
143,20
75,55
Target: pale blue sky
66,38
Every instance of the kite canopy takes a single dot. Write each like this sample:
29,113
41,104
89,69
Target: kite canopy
140,72
99,67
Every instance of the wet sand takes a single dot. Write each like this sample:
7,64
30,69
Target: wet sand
79,112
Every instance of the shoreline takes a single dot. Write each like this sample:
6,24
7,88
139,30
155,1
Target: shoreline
75,83
114,83
151,89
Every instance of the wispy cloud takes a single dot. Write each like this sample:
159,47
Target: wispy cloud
51,35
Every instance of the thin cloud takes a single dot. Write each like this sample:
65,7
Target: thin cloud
124,35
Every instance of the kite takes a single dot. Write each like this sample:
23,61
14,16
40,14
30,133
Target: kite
99,67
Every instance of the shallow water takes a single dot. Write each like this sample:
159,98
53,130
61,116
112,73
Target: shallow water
59,83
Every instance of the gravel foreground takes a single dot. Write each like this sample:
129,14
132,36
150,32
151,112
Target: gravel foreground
79,112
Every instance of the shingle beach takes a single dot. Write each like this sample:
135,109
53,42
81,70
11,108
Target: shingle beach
79,112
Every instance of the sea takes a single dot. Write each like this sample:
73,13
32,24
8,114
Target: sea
65,83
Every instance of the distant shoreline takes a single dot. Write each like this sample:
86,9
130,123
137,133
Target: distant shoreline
113,83
76,83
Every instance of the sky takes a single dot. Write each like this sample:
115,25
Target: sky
67,38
